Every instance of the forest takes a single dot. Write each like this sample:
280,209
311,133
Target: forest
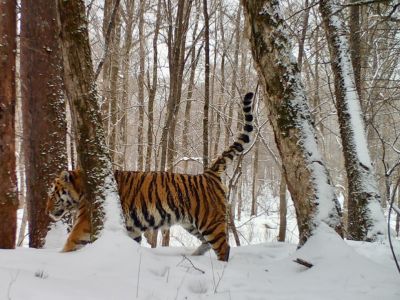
266,129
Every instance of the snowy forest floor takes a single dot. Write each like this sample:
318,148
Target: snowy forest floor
115,267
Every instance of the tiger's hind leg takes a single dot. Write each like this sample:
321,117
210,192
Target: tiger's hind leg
216,236
204,247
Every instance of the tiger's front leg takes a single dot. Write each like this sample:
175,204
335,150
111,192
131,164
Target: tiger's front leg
79,235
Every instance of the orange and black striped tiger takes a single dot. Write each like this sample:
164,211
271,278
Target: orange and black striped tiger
153,200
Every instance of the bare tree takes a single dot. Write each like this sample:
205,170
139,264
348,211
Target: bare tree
93,158
306,175
8,178
43,110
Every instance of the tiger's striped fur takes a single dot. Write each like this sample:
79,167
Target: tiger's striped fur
153,200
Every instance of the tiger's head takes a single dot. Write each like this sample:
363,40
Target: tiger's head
64,195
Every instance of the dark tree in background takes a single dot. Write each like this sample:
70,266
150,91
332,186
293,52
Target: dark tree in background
43,108
8,179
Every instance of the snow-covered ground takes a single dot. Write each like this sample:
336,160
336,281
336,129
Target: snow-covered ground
115,267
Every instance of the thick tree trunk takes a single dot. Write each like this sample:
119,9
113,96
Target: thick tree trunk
365,218
8,178
43,108
305,172
93,158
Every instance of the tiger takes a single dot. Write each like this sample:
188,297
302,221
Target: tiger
158,200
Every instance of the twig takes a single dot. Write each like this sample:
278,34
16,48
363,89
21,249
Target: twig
303,262
194,267
10,284
137,282
212,269
220,278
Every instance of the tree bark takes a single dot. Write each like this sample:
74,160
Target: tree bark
305,172
8,177
43,108
93,158
365,218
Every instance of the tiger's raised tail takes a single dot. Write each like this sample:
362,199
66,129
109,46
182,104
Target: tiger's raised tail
220,163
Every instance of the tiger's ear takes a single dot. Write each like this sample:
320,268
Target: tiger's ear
64,176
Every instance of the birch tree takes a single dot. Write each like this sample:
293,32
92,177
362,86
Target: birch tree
365,218
93,158
304,169
8,178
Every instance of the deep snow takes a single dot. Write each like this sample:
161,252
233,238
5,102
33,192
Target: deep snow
115,267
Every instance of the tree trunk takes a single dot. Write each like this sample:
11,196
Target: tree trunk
355,44
397,226
126,52
152,91
235,67
282,210
305,172
366,221
142,58
114,71
8,177
152,86
176,50
93,158
253,210
194,59
109,66
206,83
43,108
303,34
